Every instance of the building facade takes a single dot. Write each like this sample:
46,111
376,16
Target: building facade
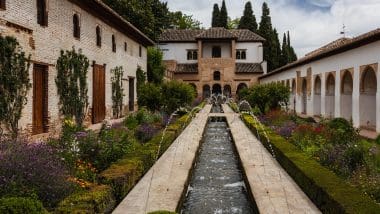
213,61
340,79
45,27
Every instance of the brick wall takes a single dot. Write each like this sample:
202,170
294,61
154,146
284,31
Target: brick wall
44,45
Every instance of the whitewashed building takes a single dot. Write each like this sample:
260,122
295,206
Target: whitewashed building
215,60
340,79
45,27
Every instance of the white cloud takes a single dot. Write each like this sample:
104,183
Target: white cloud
309,29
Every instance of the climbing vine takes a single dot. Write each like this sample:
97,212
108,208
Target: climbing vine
117,91
71,81
14,83
141,78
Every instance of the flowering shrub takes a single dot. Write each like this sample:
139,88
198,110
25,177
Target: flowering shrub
33,169
145,132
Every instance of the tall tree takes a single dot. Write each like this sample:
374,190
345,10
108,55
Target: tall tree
248,20
292,53
265,30
223,18
275,50
215,16
183,21
233,23
284,51
156,69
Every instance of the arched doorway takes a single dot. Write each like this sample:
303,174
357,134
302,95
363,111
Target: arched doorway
195,89
304,96
368,89
240,87
317,96
330,96
227,90
346,96
206,91
293,96
216,89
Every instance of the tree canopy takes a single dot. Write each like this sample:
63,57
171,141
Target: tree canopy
220,17
248,20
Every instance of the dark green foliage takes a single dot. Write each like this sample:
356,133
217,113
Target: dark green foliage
117,91
150,96
330,193
177,95
16,205
156,69
183,21
248,20
284,52
292,53
276,49
71,81
99,199
215,16
223,15
14,83
266,97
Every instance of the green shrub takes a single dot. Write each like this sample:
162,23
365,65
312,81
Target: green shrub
131,122
99,199
177,95
150,96
329,192
16,205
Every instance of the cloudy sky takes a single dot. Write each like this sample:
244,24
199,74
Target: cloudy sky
312,23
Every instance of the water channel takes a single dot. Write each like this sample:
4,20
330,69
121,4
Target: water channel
217,183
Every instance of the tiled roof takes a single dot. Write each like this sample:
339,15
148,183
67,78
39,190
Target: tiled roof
242,35
249,68
187,68
331,49
216,33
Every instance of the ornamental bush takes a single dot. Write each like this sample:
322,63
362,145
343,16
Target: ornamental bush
14,83
177,95
150,96
18,205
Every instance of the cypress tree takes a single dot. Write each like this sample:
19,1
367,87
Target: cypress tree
276,50
223,18
285,58
215,16
248,20
265,30
292,56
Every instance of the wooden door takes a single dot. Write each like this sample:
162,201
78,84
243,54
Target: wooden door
131,102
99,94
40,98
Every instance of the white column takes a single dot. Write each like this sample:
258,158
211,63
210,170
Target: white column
378,103
311,101
356,98
323,94
337,94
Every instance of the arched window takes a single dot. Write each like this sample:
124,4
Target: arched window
98,37
76,25
347,83
113,43
217,75
42,14
368,83
330,85
317,86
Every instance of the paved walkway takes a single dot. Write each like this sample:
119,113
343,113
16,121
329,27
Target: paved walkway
273,189
162,186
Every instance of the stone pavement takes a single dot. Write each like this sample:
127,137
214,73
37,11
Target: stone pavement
162,186
272,188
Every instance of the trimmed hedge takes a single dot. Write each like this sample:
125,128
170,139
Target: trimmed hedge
99,199
19,205
329,192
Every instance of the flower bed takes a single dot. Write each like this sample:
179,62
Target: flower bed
331,193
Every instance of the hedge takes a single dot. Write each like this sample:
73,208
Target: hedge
99,199
329,192
19,205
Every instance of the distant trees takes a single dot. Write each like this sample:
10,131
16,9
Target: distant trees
220,17
183,21
248,20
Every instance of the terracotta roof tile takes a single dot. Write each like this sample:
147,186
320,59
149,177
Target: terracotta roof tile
216,33
187,68
249,68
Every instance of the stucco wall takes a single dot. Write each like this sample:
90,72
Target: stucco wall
45,43
178,51
254,52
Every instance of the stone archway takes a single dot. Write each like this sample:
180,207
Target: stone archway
304,96
227,90
346,95
206,92
216,89
317,96
330,96
368,89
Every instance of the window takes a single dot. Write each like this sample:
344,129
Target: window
241,54
76,26
3,5
216,52
192,54
98,37
113,43
140,51
217,75
125,47
42,14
